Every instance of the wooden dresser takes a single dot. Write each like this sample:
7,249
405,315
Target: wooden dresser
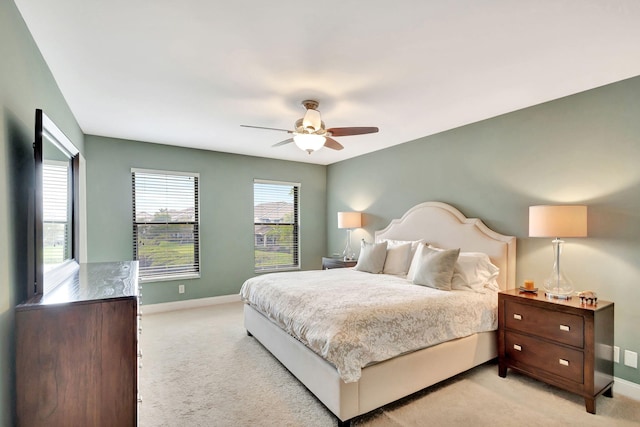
562,342
77,350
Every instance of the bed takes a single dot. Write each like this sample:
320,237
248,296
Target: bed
383,378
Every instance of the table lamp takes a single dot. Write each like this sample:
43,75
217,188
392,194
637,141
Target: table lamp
349,220
558,221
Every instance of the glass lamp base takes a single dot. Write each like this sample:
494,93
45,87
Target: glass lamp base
550,294
558,285
349,257
348,254
558,288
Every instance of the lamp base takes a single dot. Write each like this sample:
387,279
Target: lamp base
552,295
348,254
559,289
558,285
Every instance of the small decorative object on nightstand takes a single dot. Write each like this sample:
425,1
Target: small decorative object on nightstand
328,263
564,343
528,286
588,297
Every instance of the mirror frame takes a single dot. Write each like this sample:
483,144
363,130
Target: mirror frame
46,128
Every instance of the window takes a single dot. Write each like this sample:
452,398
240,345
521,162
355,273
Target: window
56,213
276,228
165,224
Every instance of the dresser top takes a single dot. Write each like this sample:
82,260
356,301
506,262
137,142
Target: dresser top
574,301
90,282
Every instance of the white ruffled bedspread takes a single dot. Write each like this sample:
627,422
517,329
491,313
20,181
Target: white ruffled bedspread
353,319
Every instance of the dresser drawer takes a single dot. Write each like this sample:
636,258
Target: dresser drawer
555,359
553,325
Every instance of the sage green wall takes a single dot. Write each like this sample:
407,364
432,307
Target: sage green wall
25,84
226,210
583,149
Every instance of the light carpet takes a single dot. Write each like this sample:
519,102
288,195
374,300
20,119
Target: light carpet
201,369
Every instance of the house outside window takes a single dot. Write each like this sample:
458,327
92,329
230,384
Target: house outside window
276,225
166,239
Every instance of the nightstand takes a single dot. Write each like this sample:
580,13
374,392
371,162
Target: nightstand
328,263
561,342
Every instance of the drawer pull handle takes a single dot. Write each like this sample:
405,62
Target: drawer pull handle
517,347
564,328
564,362
517,316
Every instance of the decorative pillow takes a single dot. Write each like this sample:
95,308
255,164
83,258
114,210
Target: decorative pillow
397,261
415,260
474,271
435,268
372,256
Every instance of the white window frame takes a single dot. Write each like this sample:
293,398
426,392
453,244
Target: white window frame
197,243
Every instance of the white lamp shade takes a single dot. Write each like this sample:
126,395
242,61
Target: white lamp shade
349,220
557,221
309,142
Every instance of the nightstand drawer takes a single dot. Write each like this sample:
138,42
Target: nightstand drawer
553,325
555,359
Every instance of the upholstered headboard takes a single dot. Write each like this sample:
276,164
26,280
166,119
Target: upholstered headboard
442,225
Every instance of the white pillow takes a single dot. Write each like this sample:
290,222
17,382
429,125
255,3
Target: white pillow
414,245
415,260
435,268
397,261
474,271
372,256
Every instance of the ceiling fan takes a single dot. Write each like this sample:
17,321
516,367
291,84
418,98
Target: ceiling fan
310,133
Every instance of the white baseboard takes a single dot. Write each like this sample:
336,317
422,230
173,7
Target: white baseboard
189,303
626,388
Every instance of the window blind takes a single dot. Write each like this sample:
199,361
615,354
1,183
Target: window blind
165,224
56,239
276,225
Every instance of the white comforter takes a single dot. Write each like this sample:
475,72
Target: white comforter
352,318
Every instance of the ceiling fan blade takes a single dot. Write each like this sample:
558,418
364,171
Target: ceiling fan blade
286,141
262,127
332,143
352,131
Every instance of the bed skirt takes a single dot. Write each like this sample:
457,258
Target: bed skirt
380,383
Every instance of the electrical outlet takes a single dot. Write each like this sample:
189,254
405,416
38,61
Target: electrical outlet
616,354
631,359
181,289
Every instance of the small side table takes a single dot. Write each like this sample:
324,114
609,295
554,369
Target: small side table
328,263
564,343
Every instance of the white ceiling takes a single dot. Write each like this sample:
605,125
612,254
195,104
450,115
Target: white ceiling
190,72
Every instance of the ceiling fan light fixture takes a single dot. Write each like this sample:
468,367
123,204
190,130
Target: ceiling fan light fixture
310,134
312,120
309,142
